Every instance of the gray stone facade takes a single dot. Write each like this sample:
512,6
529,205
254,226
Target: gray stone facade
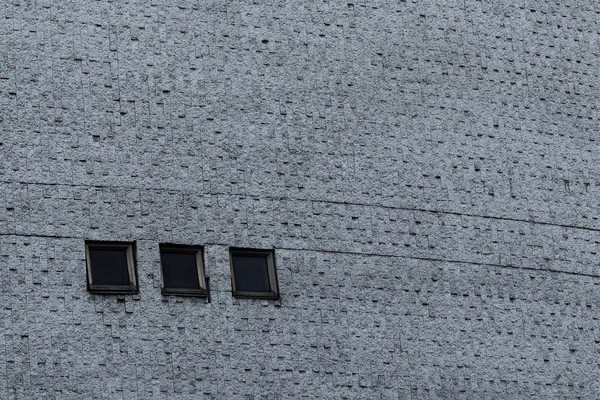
426,172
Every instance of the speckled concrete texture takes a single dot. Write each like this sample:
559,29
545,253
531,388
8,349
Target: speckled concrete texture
426,172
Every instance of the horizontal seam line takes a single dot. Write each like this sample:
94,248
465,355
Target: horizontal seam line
531,221
444,260
361,254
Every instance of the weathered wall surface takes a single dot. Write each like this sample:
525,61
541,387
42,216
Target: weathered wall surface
426,172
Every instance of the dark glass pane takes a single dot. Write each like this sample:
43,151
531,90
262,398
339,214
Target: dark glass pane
251,273
109,267
179,270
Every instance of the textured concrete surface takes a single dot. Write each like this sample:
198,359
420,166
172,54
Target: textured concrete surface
426,171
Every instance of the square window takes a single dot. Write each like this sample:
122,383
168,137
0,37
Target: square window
253,273
182,270
110,267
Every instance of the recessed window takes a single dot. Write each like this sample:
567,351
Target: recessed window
110,267
182,270
253,273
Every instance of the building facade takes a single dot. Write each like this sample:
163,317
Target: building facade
425,171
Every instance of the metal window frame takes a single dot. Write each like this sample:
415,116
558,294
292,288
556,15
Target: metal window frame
129,248
273,293
184,249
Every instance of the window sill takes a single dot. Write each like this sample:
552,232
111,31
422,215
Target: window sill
256,295
184,292
113,289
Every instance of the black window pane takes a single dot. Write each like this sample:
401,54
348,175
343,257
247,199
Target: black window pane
109,267
251,274
179,270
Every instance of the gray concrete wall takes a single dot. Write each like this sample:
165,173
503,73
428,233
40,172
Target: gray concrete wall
426,171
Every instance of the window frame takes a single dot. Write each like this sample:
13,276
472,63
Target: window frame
202,291
273,294
130,253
